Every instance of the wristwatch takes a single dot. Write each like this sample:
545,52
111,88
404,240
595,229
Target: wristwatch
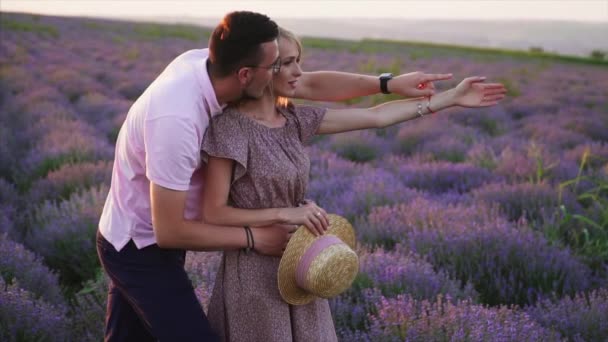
384,78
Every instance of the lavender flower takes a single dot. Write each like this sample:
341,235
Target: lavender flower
10,200
60,184
597,154
24,318
17,264
438,177
482,155
506,264
412,135
89,310
358,146
71,82
580,318
65,86
395,273
406,319
69,141
202,268
537,129
60,231
532,202
100,110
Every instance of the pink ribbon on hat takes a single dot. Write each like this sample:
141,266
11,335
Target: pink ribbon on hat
311,253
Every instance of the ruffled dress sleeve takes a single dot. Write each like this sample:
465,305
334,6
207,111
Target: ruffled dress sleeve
225,138
308,119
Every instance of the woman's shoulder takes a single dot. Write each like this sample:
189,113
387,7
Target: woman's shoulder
229,116
299,110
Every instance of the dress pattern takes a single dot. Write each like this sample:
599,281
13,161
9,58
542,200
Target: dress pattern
271,171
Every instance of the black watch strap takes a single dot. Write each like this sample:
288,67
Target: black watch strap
384,78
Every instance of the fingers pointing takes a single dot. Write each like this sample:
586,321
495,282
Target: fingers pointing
435,77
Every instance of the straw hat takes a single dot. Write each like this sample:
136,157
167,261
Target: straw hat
323,266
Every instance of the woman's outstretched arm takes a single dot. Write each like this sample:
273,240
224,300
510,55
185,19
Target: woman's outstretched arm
471,92
338,86
216,210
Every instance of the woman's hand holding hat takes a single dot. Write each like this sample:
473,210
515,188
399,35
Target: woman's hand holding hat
308,214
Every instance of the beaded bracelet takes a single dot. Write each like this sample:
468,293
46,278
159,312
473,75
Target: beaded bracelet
420,110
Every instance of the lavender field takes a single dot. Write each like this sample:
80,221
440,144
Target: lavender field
473,225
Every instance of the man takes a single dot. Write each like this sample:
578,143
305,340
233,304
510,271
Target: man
152,213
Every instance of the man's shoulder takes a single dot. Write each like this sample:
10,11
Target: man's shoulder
179,82
192,56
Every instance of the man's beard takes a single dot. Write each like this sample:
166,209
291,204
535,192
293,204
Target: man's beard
246,96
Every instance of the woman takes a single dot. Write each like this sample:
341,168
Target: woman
257,174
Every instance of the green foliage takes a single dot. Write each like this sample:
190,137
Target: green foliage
543,170
512,88
159,31
490,126
450,155
419,49
598,54
587,233
89,309
536,49
53,163
420,54
357,152
73,273
14,25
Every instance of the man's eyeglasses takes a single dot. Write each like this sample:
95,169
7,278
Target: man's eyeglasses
275,67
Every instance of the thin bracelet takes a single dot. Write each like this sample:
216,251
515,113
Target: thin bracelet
420,110
252,247
252,242
248,248
428,104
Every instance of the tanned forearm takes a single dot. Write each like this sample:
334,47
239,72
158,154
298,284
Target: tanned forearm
199,236
383,115
335,86
393,112
226,215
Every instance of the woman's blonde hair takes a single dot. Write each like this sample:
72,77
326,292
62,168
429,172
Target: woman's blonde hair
290,36
286,34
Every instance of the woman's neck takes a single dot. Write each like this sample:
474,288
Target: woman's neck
262,109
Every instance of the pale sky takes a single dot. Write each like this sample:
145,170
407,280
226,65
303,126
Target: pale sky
583,10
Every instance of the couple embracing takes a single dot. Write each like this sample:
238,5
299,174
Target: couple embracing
211,157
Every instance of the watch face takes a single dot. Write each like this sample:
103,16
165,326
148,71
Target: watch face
386,75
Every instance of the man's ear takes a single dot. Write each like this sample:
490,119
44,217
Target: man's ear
244,76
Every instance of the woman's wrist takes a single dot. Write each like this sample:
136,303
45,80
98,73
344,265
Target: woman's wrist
280,215
440,101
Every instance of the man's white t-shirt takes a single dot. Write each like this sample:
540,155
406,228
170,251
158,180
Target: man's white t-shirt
160,141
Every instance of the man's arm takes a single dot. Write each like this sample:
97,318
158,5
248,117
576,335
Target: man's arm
338,86
216,209
173,231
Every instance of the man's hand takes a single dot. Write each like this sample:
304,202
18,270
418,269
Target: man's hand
272,240
415,84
